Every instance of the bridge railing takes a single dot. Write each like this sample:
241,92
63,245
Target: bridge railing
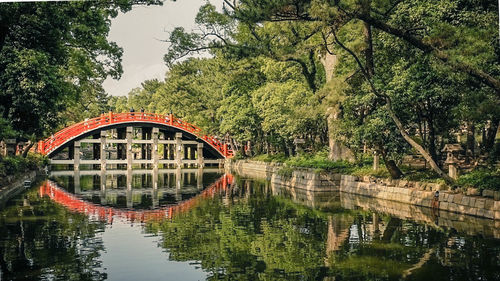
56,140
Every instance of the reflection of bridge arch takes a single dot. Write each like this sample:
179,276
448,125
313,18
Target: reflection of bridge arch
73,203
76,132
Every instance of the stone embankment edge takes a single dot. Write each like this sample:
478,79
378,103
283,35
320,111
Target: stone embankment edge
12,189
310,180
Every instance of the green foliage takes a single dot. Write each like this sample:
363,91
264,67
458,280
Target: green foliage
55,56
482,179
319,160
14,165
279,157
368,171
286,172
52,240
423,175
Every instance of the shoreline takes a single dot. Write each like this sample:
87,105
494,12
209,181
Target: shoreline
406,192
15,187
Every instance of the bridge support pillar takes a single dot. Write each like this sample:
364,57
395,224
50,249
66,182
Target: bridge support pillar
102,194
178,178
129,179
76,181
200,155
154,149
76,155
130,131
178,149
121,148
155,198
155,177
199,178
178,184
103,150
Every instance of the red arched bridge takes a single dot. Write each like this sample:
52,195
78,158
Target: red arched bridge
134,138
74,203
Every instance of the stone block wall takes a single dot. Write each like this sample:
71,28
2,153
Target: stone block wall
309,180
448,200
436,218
413,193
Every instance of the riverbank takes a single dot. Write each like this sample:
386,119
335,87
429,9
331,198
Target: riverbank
407,192
15,170
15,187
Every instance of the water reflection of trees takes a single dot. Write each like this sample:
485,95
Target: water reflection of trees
41,240
264,237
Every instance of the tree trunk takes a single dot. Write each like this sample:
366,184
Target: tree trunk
491,134
471,140
432,142
391,166
395,119
417,146
27,149
337,151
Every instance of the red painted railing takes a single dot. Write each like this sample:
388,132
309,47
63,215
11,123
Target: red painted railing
67,134
73,203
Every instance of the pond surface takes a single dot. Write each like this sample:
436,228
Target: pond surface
225,227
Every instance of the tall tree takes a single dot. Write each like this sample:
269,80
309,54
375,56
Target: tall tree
52,53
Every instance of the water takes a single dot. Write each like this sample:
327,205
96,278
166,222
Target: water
232,229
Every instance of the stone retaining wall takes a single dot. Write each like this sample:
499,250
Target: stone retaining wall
413,193
448,201
306,179
15,187
460,222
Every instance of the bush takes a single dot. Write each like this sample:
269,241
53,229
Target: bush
16,164
424,175
280,157
368,171
285,172
482,179
319,161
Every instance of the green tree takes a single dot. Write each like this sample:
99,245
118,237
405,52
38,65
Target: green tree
55,54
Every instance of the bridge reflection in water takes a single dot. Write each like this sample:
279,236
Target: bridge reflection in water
134,195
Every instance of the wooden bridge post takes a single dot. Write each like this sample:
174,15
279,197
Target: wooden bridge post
200,155
178,184
103,150
178,149
102,194
129,184
154,149
155,198
199,178
130,131
76,181
76,155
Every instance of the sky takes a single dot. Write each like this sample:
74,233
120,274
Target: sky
139,32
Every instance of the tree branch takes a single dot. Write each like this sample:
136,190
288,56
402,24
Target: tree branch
393,116
484,77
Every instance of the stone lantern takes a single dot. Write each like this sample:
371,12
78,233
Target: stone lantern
452,151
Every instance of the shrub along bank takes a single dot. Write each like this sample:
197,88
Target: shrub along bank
13,166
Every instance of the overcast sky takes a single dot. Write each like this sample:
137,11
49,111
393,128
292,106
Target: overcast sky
138,32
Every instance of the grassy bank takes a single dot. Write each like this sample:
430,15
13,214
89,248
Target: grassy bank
481,178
